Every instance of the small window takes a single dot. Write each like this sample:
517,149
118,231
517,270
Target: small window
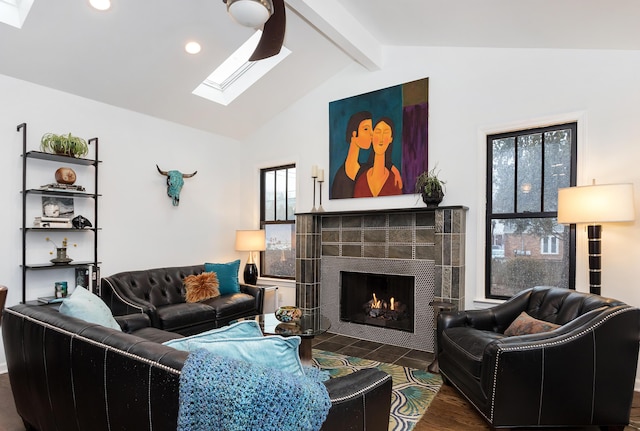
277,218
549,245
525,245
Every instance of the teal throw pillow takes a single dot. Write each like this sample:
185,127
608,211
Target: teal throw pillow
84,305
242,329
274,351
227,274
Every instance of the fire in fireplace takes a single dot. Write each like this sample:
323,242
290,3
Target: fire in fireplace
385,300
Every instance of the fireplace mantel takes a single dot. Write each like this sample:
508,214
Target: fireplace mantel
431,241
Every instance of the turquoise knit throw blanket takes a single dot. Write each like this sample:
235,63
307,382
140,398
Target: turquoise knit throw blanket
223,394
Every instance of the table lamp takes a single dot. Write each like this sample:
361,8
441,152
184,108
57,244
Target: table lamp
593,205
250,240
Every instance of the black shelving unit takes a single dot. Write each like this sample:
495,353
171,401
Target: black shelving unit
26,193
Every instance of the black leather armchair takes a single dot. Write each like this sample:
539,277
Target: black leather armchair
580,374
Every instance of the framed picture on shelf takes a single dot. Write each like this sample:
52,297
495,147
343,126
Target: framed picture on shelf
54,206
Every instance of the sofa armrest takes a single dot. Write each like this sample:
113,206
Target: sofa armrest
133,322
257,292
360,400
122,302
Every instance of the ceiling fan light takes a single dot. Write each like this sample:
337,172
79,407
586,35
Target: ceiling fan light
250,13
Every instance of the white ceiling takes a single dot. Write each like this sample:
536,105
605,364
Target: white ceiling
132,56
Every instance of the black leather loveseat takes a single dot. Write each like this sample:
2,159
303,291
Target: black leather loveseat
580,374
68,374
160,294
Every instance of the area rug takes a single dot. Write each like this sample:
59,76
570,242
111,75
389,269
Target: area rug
412,391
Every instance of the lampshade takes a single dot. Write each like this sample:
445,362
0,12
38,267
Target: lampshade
250,240
596,204
250,13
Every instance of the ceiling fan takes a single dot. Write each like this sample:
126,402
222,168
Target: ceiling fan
254,13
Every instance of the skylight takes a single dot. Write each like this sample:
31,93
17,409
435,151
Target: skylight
237,73
14,12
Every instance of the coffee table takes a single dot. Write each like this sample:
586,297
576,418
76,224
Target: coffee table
306,328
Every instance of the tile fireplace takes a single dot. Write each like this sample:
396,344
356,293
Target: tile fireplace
418,251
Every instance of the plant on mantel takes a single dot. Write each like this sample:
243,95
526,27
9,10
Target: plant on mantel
430,187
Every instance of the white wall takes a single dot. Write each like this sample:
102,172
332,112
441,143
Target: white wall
140,227
476,91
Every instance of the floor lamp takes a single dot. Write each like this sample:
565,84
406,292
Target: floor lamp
592,205
250,240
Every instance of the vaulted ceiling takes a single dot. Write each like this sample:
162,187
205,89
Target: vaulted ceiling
132,56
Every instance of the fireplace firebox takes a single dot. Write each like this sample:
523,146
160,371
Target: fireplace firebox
385,300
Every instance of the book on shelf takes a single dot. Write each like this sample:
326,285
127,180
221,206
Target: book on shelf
57,219
52,224
49,299
63,187
82,277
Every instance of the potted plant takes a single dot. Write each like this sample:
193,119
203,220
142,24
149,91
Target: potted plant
430,187
67,145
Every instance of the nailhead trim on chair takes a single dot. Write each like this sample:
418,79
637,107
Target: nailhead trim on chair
123,299
542,346
361,391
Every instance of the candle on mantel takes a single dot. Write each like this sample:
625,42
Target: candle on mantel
314,171
321,175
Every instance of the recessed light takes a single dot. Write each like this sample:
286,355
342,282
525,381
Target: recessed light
192,47
100,4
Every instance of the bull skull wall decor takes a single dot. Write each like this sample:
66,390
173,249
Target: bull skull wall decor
174,183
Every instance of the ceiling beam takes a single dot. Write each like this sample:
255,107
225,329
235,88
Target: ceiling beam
342,28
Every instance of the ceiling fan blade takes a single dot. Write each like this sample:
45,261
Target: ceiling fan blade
272,34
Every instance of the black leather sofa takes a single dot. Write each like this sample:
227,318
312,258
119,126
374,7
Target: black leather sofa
68,374
159,293
579,374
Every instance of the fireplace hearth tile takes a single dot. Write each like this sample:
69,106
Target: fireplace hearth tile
370,345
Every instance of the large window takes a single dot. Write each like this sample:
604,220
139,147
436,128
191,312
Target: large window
277,218
525,245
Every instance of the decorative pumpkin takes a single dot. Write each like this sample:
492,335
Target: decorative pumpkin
65,176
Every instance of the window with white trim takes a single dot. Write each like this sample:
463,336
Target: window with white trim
277,218
525,245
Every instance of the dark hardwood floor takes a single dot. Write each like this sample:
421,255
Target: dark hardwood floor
449,411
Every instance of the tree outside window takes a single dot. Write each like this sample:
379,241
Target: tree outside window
277,218
525,245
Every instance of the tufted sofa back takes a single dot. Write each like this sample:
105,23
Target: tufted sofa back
551,304
159,286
